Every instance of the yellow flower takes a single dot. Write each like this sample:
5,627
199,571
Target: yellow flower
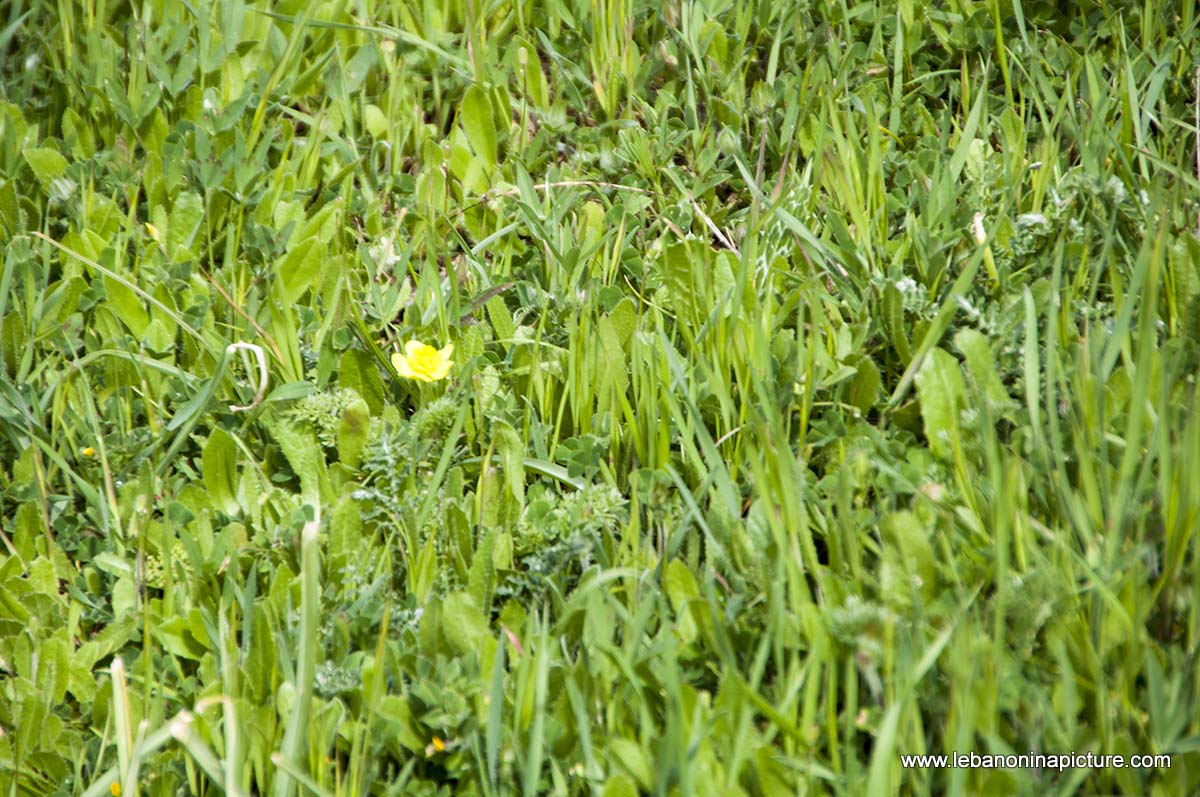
150,228
88,452
422,362
115,788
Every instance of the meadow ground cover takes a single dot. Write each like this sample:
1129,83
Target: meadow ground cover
598,397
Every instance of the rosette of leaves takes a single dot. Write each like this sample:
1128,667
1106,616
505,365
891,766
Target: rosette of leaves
398,462
557,539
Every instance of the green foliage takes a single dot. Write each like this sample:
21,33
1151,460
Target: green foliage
824,390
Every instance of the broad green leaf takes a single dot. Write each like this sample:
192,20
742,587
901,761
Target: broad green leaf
681,589
425,571
175,638
127,306
187,213
634,759
359,371
376,121
62,301
112,564
554,471
463,624
477,122
299,269
218,464
124,596
978,354
512,457
533,80
47,164
395,709
290,392
620,785
942,394
612,368
906,534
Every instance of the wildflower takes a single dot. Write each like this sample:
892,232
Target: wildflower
422,362
436,745
88,452
115,789
150,228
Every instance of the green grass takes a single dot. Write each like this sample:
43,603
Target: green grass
824,390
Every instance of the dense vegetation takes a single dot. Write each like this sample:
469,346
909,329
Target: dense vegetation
816,385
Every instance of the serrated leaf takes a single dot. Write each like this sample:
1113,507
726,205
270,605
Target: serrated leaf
483,566
10,215
303,452
158,337
353,429
624,320
345,533
502,320
864,389
892,318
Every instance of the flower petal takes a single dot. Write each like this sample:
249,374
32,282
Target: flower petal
402,365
